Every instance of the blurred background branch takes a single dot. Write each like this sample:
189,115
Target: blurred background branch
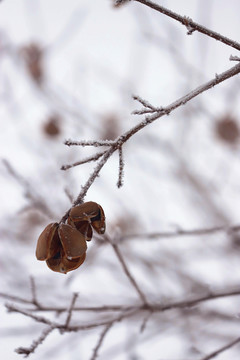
164,281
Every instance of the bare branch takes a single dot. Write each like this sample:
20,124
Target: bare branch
34,294
233,291
15,298
234,58
84,161
222,349
190,24
41,319
182,233
121,166
89,182
70,310
35,344
95,143
114,145
145,103
30,193
145,320
124,315
127,272
120,2
100,340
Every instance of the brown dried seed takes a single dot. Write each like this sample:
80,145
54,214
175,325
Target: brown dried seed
91,212
63,265
84,212
52,127
74,263
227,130
83,226
73,242
48,242
98,222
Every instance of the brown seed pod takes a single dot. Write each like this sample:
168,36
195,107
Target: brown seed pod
73,242
63,265
33,56
98,222
83,226
227,130
52,127
90,212
62,246
48,242
84,212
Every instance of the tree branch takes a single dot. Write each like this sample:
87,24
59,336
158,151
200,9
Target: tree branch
182,233
27,351
222,349
127,272
100,341
159,112
70,310
156,307
190,24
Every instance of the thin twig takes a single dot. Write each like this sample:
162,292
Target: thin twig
41,319
15,298
84,161
234,58
90,180
69,195
156,307
120,2
182,233
222,349
27,351
124,315
121,166
145,320
100,340
95,143
34,293
30,193
145,103
70,310
190,24
127,272
116,144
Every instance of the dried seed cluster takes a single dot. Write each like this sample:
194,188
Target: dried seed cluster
64,246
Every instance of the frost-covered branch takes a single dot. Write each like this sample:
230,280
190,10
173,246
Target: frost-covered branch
121,166
158,112
190,24
84,161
